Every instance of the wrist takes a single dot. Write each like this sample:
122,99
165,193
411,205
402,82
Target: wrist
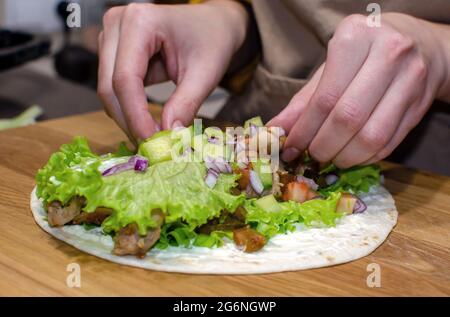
431,39
235,18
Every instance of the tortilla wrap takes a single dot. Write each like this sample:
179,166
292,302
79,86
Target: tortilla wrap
354,237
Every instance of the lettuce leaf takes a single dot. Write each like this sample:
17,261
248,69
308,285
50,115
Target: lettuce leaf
177,188
356,179
317,212
71,171
179,234
123,150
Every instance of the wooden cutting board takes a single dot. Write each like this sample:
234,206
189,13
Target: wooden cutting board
414,260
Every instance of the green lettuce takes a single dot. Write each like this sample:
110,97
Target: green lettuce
123,150
178,189
356,179
71,171
315,212
181,235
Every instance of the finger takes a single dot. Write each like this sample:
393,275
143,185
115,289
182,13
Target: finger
407,89
406,125
194,87
353,108
136,46
297,105
108,41
341,67
411,118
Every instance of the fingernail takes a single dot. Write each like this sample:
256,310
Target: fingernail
289,154
177,124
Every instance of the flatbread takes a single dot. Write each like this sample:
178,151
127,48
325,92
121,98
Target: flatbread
354,237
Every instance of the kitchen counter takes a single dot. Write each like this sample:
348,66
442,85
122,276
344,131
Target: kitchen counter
414,260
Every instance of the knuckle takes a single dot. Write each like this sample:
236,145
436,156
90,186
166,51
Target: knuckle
355,22
119,80
348,116
374,138
396,45
325,102
419,68
103,92
111,16
134,9
139,13
348,30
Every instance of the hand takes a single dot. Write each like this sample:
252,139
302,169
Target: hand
143,44
375,86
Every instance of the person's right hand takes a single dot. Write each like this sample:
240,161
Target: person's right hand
143,44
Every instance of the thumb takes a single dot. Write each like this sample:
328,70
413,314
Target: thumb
183,104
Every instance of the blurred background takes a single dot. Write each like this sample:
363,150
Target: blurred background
45,63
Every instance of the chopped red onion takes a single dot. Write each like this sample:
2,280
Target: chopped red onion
213,140
218,165
253,130
242,165
136,162
141,164
223,165
256,183
360,206
211,178
308,181
330,179
210,164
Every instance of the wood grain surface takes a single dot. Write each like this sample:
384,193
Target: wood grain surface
414,260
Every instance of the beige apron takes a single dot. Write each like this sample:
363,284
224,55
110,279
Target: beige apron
294,36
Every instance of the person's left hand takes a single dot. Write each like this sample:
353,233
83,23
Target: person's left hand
375,86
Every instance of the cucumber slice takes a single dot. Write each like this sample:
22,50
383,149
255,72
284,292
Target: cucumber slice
268,203
256,121
185,134
198,142
263,170
157,148
216,133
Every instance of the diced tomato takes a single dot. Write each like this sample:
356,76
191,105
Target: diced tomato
296,191
311,194
299,192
